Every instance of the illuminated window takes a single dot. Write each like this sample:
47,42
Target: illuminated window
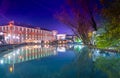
5,28
32,30
22,28
2,28
26,29
18,28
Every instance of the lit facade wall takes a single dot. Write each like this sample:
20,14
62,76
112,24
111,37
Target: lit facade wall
18,34
61,36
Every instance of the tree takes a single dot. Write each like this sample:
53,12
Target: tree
78,15
110,11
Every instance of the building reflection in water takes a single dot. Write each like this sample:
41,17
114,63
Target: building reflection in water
11,68
94,54
30,52
64,48
27,53
61,48
77,48
97,54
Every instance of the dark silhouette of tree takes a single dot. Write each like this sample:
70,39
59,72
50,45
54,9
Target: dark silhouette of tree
110,9
78,15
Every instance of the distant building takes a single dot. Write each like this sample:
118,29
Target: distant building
17,34
61,36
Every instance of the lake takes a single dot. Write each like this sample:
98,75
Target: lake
61,61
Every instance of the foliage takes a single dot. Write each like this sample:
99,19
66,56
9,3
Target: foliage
111,38
78,15
77,39
110,9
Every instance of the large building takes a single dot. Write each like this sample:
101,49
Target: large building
61,36
64,38
15,34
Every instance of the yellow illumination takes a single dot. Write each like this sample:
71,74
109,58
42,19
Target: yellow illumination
11,69
90,55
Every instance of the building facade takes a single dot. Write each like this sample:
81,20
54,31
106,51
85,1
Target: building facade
15,34
61,36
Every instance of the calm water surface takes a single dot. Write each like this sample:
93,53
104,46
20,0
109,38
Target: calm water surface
62,61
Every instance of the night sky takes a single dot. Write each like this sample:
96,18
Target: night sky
35,12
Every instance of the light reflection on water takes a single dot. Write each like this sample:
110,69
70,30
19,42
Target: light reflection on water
27,53
61,61
31,52
96,54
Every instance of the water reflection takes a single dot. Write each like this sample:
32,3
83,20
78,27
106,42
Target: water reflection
107,62
27,53
61,61
78,47
96,54
31,52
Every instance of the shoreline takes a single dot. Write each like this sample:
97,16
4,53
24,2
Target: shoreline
6,47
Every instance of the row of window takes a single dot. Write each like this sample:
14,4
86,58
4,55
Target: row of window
24,29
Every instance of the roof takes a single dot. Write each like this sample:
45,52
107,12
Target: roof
27,25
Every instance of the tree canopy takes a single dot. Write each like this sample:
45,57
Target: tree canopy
79,16
111,38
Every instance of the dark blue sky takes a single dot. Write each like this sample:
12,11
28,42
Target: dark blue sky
35,12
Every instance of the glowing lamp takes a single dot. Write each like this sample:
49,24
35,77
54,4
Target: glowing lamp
11,69
1,33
